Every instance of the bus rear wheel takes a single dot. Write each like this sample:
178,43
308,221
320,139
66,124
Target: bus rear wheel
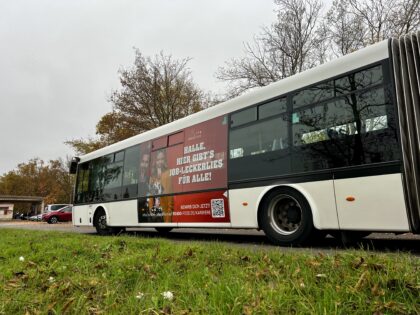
286,217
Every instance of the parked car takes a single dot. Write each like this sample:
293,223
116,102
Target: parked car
37,217
16,216
62,215
25,216
55,207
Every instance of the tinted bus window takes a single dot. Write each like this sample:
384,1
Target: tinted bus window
97,180
359,80
272,108
261,137
314,94
346,116
243,117
82,185
353,130
131,171
113,180
119,156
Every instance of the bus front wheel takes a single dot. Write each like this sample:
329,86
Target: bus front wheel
286,217
102,228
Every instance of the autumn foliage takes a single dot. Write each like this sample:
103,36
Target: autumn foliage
154,92
50,180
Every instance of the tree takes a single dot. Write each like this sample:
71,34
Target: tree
283,49
345,31
154,92
353,24
36,178
302,38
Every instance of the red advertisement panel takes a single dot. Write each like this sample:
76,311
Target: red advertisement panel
205,207
201,207
191,160
202,163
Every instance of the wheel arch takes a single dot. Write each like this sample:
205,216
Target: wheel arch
97,210
299,189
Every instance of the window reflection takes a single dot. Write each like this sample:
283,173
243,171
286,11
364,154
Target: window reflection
348,121
314,94
359,80
265,136
130,176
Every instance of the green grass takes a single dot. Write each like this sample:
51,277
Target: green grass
85,274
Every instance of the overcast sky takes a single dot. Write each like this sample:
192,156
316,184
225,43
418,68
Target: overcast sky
59,60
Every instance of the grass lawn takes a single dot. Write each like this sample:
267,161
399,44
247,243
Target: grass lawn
57,273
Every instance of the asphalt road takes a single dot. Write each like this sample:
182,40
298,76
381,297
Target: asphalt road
376,242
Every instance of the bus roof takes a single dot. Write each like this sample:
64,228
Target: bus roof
354,60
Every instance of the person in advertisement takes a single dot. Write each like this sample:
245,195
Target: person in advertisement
159,184
144,212
144,174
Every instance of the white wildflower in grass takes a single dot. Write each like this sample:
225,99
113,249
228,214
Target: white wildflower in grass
21,258
139,295
168,295
302,285
51,279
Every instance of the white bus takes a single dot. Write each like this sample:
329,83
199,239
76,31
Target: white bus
332,149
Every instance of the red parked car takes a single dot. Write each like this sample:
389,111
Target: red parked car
62,215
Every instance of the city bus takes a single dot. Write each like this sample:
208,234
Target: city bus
334,149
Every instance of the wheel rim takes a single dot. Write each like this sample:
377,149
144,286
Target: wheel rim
53,220
286,214
102,222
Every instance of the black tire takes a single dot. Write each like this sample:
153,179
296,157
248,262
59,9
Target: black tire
286,217
101,226
53,220
163,229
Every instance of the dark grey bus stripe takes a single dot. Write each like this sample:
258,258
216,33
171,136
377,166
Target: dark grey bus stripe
330,174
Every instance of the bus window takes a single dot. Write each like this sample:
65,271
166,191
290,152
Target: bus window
82,187
243,117
113,181
131,170
348,131
265,136
119,156
359,80
314,94
273,108
97,180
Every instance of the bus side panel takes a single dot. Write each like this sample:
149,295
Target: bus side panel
321,199
122,213
81,215
378,203
244,204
